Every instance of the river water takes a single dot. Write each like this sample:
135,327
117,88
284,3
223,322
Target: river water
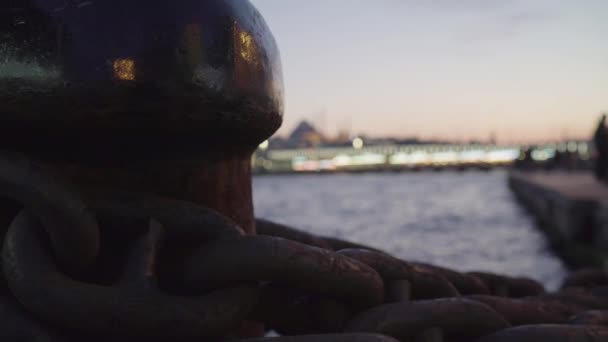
462,220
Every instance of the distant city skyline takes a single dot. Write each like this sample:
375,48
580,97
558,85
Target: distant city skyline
440,69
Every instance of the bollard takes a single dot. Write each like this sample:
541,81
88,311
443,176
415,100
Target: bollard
164,97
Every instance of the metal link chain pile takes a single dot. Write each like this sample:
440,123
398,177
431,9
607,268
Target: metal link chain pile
100,265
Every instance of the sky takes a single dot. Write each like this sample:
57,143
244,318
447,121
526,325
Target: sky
521,70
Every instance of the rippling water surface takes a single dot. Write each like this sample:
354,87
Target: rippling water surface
463,220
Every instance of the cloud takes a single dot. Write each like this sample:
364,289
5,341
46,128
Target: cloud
494,19
459,5
502,22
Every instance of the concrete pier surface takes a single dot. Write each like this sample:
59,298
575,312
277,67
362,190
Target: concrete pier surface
571,208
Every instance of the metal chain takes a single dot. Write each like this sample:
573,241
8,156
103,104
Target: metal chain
101,265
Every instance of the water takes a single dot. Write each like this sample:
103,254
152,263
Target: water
462,220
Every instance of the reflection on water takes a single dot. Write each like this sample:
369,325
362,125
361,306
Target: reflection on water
466,221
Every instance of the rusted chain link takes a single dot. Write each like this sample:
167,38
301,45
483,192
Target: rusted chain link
18,325
553,333
455,317
464,283
521,312
586,278
113,265
578,296
72,229
327,338
253,258
504,286
425,283
265,227
135,307
184,221
295,312
592,317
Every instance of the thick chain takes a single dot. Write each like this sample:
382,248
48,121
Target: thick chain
111,265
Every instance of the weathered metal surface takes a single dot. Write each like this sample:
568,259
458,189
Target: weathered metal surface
266,227
548,332
578,296
428,285
456,317
121,78
501,285
425,282
522,312
183,220
289,311
586,278
398,291
173,270
72,228
327,338
396,274
464,283
388,267
592,317
220,181
253,258
18,325
133,307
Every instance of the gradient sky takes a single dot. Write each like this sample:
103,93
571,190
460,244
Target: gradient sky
527,70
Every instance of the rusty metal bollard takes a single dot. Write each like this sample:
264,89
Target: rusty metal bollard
163,97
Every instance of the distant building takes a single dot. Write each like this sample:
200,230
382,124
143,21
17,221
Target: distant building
305,135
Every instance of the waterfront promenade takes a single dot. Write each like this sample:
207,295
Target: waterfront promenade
571,208
580,185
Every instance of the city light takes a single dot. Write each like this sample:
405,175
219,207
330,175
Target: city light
358,143
124,69
362,156
502,156
264,146
542,155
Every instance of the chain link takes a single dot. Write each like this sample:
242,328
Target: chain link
103,265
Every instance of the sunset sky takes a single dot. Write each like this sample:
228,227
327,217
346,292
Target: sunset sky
527,70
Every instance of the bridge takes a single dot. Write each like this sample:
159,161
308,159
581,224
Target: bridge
406,157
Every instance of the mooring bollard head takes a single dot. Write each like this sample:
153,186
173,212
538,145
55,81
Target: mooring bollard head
125,79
